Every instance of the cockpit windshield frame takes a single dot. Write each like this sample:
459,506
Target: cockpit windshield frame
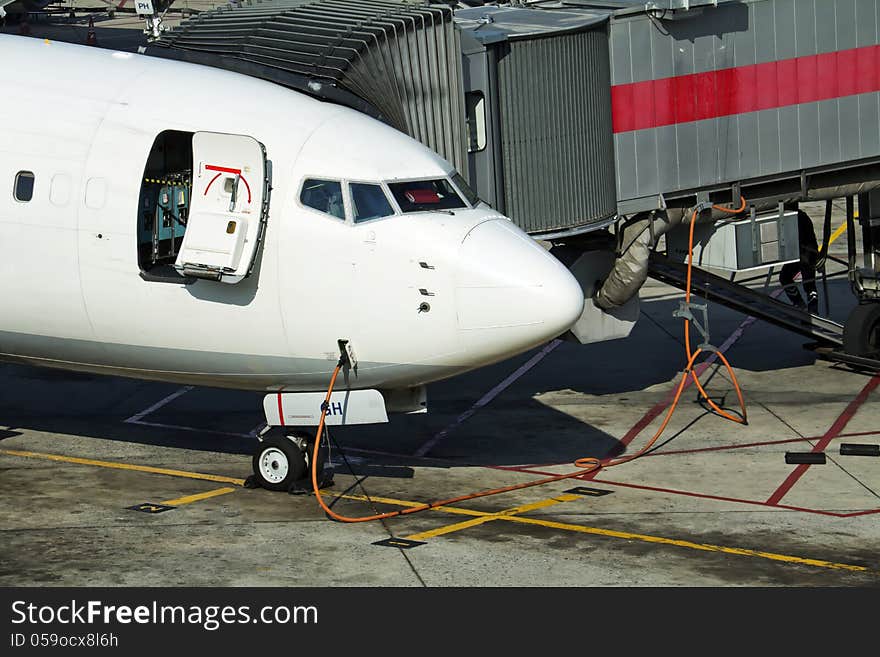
447,179
390,197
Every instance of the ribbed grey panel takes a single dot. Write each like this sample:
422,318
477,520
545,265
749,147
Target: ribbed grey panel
556,134
403,59
677,159
736,33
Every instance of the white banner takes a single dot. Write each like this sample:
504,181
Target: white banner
144,7
303,409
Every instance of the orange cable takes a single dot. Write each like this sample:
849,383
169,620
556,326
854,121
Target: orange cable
687,326
586,465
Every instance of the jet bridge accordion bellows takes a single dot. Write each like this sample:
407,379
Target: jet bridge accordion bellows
398,62
517,99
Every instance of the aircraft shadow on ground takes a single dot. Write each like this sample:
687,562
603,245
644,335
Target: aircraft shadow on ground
516,431
515,428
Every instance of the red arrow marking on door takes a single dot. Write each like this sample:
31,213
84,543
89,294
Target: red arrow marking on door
214,167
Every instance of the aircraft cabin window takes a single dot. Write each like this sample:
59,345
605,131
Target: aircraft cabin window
369,202
426,195
324,196
24,186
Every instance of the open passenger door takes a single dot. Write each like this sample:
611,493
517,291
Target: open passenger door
228,209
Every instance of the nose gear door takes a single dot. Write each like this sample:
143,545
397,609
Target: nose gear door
228,208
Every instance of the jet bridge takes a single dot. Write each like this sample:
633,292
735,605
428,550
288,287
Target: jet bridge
581,118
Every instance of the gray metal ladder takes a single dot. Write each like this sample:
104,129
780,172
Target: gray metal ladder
745,300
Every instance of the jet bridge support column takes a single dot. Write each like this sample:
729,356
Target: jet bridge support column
868,278
861,336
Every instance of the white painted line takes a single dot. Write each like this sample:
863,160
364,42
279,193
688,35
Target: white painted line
179,427
355,460
134,419
485,399
253,433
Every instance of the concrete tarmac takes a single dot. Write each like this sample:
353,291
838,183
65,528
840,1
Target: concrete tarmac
714,504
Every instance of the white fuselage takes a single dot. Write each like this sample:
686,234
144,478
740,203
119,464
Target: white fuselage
83,121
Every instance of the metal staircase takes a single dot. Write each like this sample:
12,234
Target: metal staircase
745,300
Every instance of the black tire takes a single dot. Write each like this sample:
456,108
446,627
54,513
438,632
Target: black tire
278,462
861,334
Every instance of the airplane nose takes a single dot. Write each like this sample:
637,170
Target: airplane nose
511,294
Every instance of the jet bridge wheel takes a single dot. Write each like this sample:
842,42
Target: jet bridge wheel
279,462
861,334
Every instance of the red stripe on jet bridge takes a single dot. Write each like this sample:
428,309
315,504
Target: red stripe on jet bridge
731,91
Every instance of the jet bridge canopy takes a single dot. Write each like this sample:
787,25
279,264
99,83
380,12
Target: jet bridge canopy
398,62
565,115
523,116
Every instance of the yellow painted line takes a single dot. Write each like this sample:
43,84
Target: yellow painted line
189,499
837,233
448,529
685,544
123,466
406,503
525,508
508,515
481,517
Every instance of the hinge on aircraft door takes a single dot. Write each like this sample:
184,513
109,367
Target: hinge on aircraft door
206,273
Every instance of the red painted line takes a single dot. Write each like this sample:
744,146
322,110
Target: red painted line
280,410
859,434
523,470
657,409
721,448
832,433
742,89
869,512
721,498
672,491
706,496
515,468
529,469
697,450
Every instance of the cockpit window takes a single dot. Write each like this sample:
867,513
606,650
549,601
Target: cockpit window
324,196
465,189
426,195
369,202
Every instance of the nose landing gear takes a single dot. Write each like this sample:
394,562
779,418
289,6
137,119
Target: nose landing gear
281,463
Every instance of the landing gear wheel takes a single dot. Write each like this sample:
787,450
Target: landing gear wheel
861,334
278,463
